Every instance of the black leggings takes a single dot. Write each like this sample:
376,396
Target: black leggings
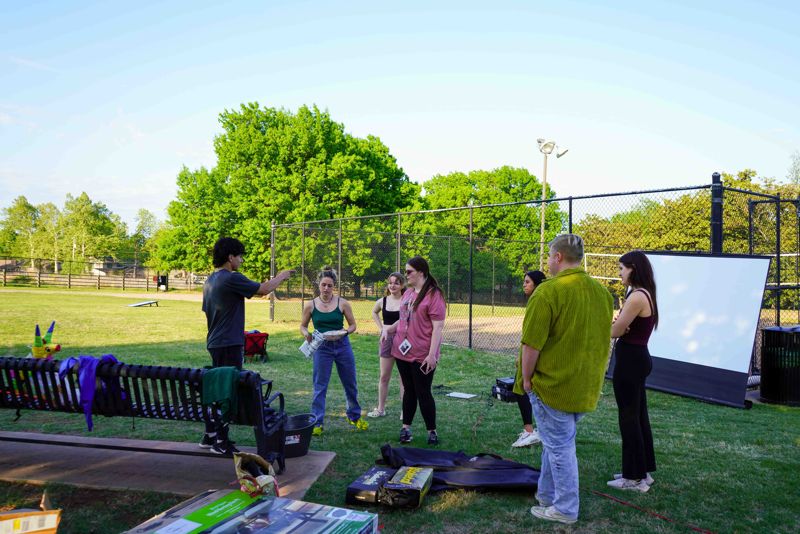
525,409
224,357
417,388
632,366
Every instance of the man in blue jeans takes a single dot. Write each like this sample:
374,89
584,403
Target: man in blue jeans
223,303
566,335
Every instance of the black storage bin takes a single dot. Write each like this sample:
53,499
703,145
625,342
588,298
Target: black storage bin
780,365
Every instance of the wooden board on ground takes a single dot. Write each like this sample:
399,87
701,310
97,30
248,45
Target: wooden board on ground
169,473
144,303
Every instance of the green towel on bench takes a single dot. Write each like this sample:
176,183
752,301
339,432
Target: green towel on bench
219,386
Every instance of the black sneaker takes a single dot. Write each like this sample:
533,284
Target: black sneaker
405,435
224,448
433,438
207,442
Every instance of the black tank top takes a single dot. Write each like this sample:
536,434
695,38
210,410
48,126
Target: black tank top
389,317
641,327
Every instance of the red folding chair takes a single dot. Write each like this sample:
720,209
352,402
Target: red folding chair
255,345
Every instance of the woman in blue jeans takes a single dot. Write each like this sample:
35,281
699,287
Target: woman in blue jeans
328,313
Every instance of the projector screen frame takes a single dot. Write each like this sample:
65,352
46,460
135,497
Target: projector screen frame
706,383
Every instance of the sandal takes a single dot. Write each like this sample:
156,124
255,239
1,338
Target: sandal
377,413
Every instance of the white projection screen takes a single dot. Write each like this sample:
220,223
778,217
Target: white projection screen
709,307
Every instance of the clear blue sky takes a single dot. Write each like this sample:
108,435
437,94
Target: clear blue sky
114,97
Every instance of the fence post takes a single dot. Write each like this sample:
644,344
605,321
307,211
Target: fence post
716,214
492,282
340,257
147,282
778,255
39,275
272,270
469,334
4,278
750,225
449,238
397,259
98,281
303,267
570,215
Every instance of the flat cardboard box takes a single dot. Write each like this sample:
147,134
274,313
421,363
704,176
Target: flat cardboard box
232,511
365,488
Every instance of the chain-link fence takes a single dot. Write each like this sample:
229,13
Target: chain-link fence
478,254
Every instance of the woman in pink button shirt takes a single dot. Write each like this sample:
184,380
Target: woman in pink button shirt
417,338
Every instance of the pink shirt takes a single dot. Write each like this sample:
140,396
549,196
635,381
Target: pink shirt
417,326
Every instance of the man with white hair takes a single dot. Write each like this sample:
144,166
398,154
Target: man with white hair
565,338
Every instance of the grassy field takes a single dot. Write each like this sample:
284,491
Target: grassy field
721,469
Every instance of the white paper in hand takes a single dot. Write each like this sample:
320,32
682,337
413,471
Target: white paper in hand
308,349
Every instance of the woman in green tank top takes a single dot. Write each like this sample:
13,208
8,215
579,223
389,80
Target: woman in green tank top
328,313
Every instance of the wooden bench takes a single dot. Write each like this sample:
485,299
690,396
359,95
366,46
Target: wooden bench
152,392
143,303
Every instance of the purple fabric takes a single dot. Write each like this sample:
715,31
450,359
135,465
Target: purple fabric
87,379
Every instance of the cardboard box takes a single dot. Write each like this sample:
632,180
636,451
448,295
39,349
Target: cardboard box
30,522
407,487
365,488
235,512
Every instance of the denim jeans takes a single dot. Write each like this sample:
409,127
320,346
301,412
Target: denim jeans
558,478
340,353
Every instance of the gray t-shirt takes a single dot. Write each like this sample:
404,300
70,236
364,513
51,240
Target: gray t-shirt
223,302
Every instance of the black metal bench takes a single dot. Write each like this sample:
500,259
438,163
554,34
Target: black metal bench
151,392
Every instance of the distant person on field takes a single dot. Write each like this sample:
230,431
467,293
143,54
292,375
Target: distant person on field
385,313
328,313
565,341
529,435
223,303
636,321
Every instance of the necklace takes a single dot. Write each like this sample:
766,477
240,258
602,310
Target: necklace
325,301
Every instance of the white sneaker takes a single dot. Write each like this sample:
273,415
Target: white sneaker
630,485
647,480
550,513
526,439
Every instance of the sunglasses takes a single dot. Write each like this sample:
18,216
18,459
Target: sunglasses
409,271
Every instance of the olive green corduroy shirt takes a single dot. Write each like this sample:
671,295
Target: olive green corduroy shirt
568,320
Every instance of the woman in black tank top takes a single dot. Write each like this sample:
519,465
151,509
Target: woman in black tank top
389,308
632,364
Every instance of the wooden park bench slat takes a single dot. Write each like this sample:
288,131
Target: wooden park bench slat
153,392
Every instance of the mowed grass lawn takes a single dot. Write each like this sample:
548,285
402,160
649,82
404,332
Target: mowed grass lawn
721,469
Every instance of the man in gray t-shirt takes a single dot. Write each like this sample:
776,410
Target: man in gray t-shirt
223,303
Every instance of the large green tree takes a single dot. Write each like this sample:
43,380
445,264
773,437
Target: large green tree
275,165
19,228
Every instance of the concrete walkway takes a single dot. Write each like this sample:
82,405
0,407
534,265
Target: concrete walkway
119,469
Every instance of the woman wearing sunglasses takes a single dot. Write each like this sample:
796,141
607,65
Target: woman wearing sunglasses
417,338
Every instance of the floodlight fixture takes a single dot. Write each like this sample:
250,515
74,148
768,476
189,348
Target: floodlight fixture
545,147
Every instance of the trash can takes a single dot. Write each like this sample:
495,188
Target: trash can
780,365
163,282
298,434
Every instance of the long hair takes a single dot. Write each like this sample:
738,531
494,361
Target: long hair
641,276
400,278
421,265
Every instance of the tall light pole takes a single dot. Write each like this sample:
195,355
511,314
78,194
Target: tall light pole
546,148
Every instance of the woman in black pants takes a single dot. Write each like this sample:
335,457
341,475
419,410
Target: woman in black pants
632,328
529,435
416,343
